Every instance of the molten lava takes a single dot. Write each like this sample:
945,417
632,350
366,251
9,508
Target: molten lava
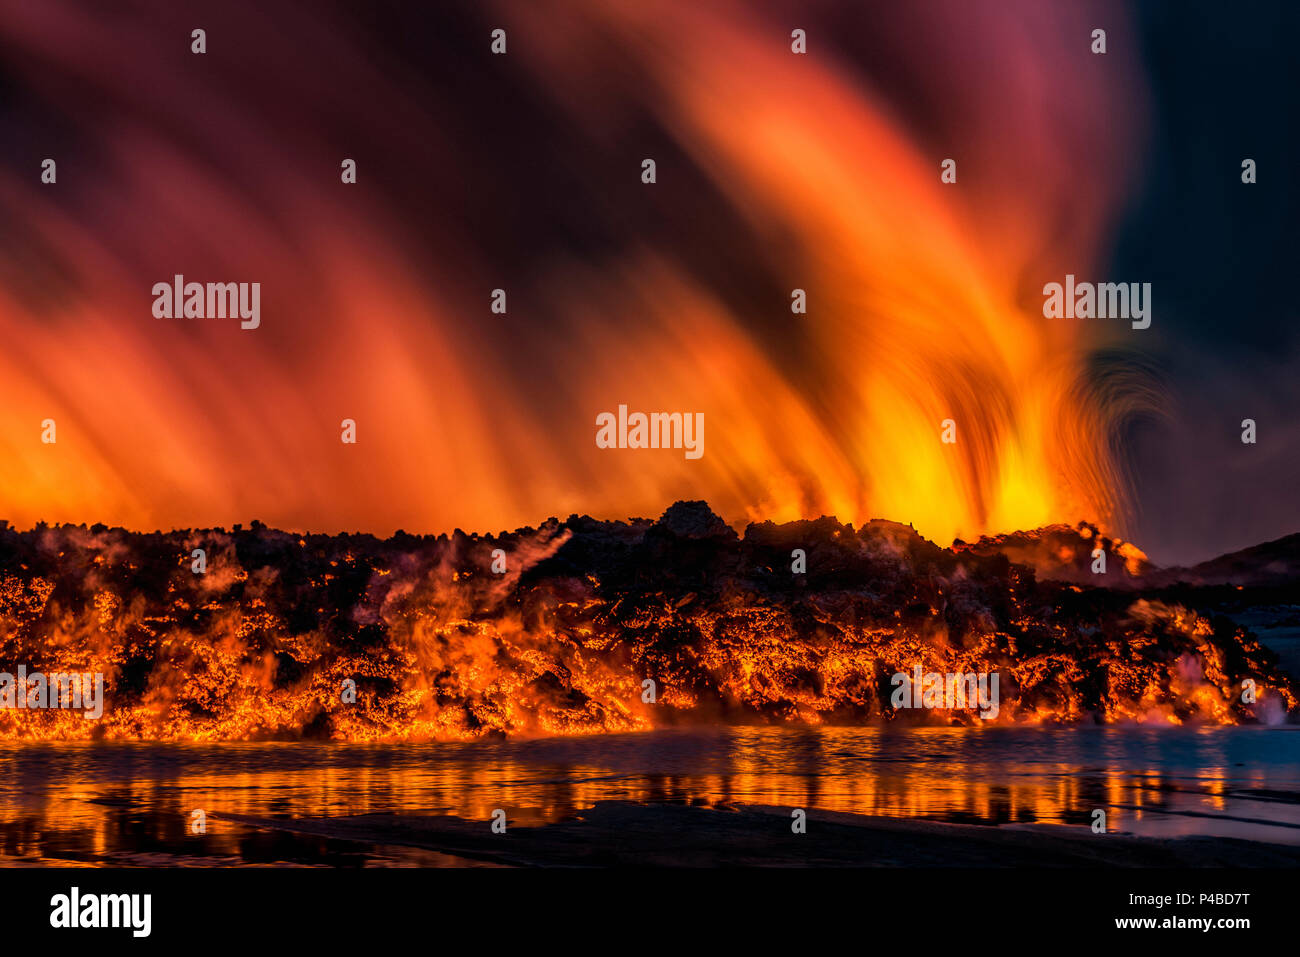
263,644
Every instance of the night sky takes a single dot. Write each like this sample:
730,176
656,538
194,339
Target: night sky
1224,257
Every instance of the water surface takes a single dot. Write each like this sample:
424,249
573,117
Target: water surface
124,804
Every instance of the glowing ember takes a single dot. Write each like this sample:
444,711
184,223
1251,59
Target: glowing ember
440,647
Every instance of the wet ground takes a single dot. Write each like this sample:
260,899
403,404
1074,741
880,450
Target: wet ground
874,796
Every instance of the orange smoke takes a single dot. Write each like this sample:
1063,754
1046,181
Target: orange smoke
922,297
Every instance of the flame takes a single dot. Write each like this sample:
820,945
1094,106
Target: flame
436,647
776,171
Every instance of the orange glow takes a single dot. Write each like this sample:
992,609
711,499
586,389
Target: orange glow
917,314
263,645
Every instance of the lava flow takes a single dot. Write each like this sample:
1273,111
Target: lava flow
437,645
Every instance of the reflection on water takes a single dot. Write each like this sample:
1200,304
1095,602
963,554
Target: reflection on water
125,804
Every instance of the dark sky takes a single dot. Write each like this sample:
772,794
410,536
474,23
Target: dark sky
1222,257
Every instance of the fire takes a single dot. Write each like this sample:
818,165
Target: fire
776,171
433,645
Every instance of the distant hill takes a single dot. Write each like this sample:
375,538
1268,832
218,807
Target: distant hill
1270,564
